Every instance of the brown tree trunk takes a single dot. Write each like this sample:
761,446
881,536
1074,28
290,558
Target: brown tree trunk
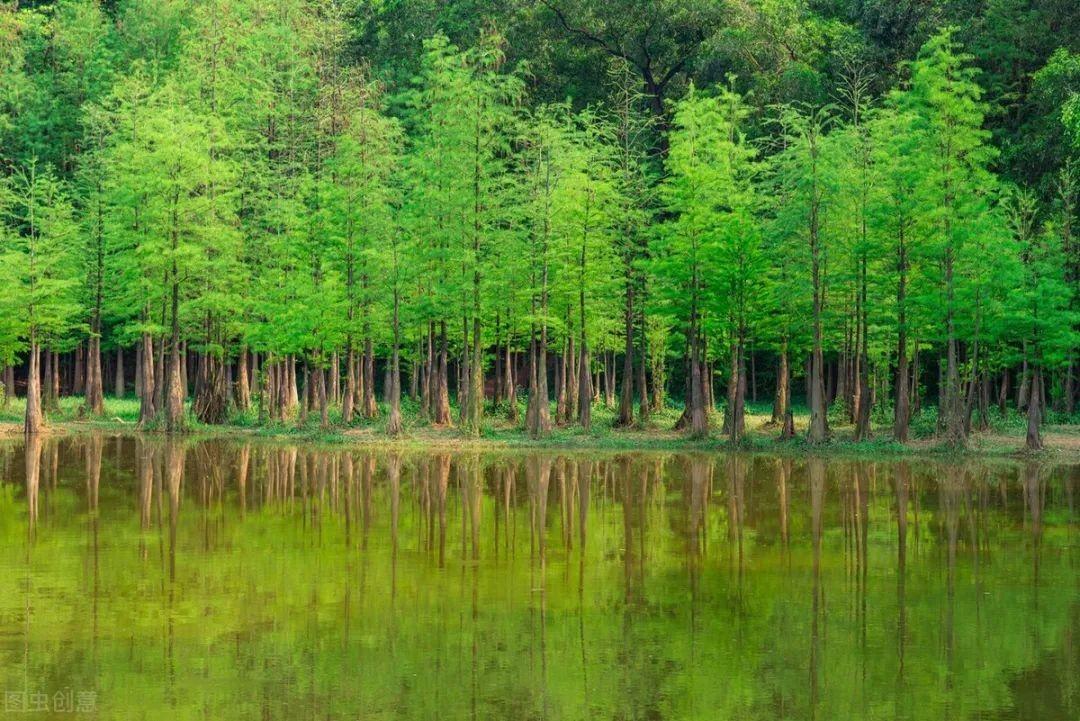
511,387
78,384
293,399
442,380
243,381
119,370
34,420
699,418
147,391
644,400
174,397
94,402
738,399
538,415
350,386
371,408
335,379
1034,411
9,385
324,399
393,422
585,388
609,379
573,378
49,402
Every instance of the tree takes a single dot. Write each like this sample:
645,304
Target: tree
1041,305
38,239
953,193
807,189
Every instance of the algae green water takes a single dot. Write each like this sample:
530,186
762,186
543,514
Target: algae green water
152,579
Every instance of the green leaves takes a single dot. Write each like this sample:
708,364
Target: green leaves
37,259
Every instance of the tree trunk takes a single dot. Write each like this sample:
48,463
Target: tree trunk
174,397
324,397
699,419
243,381
335,379
393,422
49,402
643,381
442,381
818,422
538,415
626,396
984,400
34,420
120,389
147,391
78,384
609,379
349,397
738,397
902,411
585,389
94,402
1034,411
511,387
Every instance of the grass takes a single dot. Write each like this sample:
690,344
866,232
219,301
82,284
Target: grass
1005,436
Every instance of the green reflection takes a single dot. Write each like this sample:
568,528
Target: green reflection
226,580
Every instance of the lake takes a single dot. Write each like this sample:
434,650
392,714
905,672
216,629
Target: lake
153,579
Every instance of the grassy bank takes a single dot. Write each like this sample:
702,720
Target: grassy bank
1004,438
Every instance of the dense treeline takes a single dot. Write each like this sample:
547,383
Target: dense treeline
294,207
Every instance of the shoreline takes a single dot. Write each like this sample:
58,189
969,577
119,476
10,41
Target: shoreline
1061,443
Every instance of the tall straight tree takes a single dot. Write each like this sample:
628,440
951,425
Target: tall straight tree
893,218
39,236
807,188
695,190
954,191
1042,316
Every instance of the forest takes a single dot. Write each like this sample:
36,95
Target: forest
343,212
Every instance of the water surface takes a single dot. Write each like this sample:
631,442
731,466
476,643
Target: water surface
144,579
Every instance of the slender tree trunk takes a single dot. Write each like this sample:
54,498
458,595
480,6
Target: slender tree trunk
335,379
538,415
609,379
585,388
243,381
442,386
174,397
147,390
511,387
78,384
738,400
699,420
626,396
371,408
185,377
644,401
1034,411
9,385
95,390
324,397
393,422
499,395
49,402
120,388
349,397
34,420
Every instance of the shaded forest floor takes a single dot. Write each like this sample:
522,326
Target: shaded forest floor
1005,437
